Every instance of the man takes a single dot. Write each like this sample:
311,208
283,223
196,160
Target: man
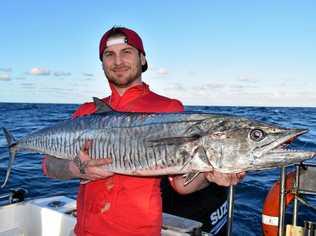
113,204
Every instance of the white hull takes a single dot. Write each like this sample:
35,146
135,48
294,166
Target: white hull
36,218
53,217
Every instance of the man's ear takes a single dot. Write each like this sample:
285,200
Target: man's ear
142,59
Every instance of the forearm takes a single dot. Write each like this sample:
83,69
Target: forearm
200,182
60,168
203,179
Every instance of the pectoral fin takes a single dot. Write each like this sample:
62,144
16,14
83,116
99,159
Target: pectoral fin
199,161
189,177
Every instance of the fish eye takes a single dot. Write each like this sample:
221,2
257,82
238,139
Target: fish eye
257,135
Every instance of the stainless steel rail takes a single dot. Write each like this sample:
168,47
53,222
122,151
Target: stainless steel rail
281,222
296,187
304,185
230,213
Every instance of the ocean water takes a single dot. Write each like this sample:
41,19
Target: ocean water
21,119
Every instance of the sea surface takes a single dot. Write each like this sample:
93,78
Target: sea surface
22,119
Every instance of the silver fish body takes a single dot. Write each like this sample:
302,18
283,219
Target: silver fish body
168,143
136,142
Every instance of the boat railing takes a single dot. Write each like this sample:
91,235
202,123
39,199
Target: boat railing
304,184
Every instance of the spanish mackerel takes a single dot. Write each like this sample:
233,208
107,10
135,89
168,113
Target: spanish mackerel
166,143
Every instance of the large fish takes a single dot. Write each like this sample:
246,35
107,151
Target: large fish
166,143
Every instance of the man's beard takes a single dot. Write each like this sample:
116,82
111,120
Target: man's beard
127,81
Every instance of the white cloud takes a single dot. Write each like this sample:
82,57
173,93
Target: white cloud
39,71
27,85
162,72
156,71
87,74
237,87
248,78
240,95
192,73
176,86
5,69
151,67
58,90
212,86
61,73
4,77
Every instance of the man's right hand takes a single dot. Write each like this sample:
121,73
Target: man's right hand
83,167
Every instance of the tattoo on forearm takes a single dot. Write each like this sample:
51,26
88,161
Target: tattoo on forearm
80,164
58,168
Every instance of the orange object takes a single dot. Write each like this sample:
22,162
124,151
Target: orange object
271,206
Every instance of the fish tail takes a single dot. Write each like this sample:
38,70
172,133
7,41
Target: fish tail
12,150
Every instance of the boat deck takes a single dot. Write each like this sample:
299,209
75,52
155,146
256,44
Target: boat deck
55,216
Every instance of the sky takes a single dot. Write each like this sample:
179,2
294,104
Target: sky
227,53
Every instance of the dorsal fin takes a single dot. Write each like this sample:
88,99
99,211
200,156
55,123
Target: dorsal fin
101,106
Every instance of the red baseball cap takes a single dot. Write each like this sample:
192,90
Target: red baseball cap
132,38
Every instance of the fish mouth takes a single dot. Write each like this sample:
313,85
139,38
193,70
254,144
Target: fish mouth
277,152
280,144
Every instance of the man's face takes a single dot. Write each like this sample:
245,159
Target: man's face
122,65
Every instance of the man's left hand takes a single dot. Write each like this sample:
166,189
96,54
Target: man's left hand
224,179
